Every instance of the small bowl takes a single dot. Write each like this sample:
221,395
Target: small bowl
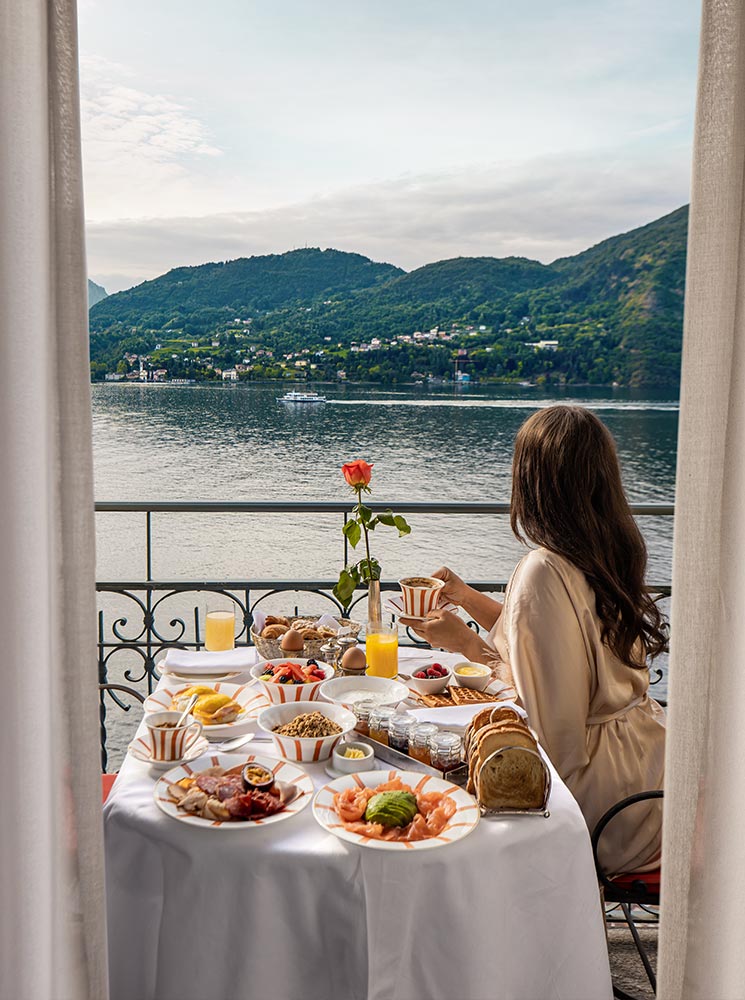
476,681
431,685
305,748
281,694
352,765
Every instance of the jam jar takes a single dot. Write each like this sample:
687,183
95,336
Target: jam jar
362,711
419,738
379,723
445,750
400,727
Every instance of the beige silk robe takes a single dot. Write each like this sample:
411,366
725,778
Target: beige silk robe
593,716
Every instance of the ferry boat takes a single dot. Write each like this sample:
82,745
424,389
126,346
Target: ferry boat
301,397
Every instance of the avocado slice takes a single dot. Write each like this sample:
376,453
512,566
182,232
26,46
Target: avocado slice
391,808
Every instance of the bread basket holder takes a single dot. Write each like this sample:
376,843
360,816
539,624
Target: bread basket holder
541,810
270,649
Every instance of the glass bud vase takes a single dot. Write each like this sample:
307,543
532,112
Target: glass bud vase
374,612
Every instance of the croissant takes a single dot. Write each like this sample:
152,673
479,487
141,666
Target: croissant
273,631
277,620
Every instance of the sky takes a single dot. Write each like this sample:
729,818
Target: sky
405,130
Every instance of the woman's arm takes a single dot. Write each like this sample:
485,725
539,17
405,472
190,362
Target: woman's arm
550,660
484,610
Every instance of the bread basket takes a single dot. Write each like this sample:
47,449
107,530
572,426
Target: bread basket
270,649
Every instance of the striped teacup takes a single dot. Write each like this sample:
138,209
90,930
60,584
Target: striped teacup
167,741
420,594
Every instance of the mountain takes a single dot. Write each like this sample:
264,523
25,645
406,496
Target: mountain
612,313
248,285
95,293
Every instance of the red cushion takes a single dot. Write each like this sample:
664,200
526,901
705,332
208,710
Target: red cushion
648,882
107,783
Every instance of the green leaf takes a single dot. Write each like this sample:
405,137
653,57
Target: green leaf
365,514
402,524
352,532
387,518
369,570
346,585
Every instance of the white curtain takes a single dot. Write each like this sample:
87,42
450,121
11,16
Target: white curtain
702,935
52,917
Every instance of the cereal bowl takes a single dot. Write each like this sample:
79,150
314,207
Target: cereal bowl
305,748
282,694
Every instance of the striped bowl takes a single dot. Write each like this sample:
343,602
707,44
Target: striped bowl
281,694
305,748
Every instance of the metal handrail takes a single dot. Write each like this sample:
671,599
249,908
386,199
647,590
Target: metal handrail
332,507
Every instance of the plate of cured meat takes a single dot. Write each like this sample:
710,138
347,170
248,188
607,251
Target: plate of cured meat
218,794
396,810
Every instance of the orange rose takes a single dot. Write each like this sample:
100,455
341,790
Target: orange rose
357,473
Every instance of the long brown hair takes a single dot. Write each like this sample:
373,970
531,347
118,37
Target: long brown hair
567,496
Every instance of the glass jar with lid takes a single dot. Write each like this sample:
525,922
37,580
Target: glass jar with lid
400,727
419,738
379,723
362,711
445,750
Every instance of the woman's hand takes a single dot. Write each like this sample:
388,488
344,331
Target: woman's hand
443,630
455,588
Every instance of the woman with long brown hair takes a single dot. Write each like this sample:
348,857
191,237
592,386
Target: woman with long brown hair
577,627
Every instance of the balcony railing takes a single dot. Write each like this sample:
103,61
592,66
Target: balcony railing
143,618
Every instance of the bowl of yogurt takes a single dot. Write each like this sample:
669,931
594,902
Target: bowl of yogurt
347,691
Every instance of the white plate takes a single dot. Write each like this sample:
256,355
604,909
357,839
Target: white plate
395,606
140,750
248,697
281,769
461,823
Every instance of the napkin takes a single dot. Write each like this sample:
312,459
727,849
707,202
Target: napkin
458,717
207,662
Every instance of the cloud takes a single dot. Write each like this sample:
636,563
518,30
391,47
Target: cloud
140,150
545,208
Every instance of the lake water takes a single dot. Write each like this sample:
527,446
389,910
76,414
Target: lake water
160,442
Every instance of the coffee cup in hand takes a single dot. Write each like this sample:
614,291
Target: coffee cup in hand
420,594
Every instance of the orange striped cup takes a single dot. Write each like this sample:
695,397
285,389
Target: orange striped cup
420,594
169,741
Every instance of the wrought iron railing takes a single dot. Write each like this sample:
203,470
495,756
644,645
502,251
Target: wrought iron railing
135,634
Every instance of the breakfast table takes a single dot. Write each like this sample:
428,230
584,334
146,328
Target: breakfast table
289,911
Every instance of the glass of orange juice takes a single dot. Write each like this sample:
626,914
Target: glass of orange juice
219,625
381,650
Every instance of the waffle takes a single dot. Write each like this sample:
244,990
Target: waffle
469,696
456,695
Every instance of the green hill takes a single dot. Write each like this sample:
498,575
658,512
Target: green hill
248,285
615,311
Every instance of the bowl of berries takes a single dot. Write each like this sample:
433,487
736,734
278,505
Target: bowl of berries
286,680
430,680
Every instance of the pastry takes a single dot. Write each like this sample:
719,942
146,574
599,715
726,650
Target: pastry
277,620
273,631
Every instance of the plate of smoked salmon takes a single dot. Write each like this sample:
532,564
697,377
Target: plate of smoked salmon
395,810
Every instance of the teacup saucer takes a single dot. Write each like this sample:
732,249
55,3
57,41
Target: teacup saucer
395,606
141,751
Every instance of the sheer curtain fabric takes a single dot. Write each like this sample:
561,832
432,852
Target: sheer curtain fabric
703,921
52,917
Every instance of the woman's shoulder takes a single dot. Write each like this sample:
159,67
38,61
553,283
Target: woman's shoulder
541,568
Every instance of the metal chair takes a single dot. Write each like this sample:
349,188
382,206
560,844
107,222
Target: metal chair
107,780
633,889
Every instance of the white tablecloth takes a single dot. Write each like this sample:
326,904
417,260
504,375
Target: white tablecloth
289,912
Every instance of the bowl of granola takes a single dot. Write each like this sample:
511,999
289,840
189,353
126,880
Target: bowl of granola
306,731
